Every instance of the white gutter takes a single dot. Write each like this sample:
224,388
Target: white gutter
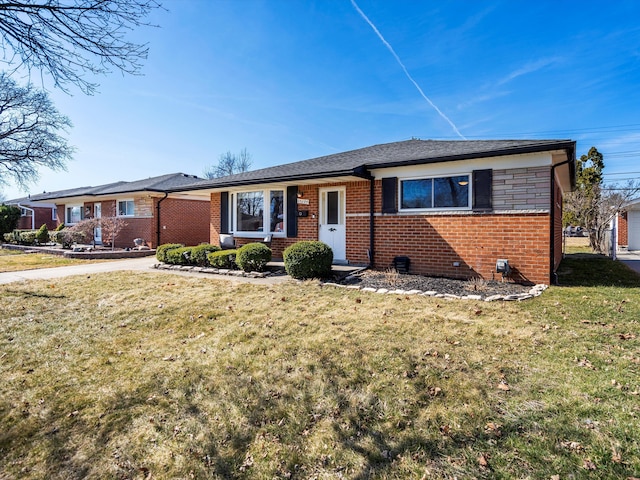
33,215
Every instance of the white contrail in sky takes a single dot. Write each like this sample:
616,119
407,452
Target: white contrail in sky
406,72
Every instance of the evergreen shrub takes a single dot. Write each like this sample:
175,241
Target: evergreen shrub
253,257
308,259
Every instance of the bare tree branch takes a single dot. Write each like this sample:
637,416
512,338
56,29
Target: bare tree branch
30,136
70,39
230,163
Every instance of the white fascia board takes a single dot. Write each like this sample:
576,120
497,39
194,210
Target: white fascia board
543,159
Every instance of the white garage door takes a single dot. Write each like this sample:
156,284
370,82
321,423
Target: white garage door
633,223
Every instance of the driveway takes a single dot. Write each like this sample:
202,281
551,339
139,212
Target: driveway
132,264
631,259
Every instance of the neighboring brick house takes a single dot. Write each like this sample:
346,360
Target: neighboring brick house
628,227
34,215
148,210
453,207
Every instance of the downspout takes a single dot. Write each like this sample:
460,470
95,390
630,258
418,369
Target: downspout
33,215
371,222
552,241
158,228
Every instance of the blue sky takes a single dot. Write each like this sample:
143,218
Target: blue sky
290,80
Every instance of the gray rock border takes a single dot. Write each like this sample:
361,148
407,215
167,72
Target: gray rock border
534,292
211,270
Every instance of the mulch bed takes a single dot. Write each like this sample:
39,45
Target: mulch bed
396,281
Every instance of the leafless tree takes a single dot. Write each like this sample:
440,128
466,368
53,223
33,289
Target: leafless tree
30,133
85,229
111,228
230,163
598,207
70,39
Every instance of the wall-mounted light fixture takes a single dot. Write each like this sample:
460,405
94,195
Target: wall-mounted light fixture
300,194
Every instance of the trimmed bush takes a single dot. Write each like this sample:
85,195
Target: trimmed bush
161,251
179,256
253,257
223,259
308,259
42,235
13,236
28,237
199,254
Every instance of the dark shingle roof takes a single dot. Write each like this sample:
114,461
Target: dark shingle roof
162,183
410,152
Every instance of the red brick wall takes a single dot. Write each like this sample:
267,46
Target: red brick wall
42,217
181,221
475,241
432,242
623,229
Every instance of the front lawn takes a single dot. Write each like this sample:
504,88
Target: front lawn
15,261
149,375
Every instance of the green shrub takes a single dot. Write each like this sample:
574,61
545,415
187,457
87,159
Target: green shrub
179,256
42,235
199,254
67,237
308,259
223,259
28,237
161,251
253,257
59,227
9,218
13,236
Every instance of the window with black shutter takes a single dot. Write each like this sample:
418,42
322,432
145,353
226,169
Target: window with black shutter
389,195
482,190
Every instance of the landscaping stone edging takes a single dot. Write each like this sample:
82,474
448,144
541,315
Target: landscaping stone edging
535,291
217,271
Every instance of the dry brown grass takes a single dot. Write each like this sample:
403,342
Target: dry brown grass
15,261
148,376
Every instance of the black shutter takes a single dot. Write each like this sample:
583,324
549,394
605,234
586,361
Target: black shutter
389,195
292,211
482,190
224,212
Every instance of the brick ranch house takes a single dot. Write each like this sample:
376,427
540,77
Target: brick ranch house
628,226
34,215
453,207
149,211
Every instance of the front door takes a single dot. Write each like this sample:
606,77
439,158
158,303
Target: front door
97,214
332,229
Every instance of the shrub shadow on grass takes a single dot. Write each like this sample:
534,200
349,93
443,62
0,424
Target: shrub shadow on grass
594,270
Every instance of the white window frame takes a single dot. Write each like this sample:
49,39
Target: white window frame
434,208
127,214
54,213
67,217
266,213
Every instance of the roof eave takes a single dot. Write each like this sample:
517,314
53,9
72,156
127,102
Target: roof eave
562,145
359,172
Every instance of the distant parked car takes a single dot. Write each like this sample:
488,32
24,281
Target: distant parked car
571,231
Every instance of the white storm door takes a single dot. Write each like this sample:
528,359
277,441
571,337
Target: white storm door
332,229
97,213
633,229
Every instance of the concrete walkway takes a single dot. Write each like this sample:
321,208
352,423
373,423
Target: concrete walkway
132,264
630,259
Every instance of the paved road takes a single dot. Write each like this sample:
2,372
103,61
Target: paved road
132,264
